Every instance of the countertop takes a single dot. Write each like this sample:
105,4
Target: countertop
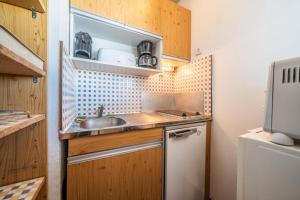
135,121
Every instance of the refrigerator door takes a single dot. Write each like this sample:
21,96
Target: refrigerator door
267,171
185,163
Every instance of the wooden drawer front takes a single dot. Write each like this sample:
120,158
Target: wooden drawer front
91,144
132,176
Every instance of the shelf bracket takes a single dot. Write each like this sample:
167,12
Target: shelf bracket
35,79
33,13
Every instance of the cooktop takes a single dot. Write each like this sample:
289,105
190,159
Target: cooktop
179,113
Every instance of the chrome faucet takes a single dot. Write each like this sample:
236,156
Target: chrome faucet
99,111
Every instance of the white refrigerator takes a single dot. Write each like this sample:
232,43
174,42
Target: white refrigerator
185,162
267,171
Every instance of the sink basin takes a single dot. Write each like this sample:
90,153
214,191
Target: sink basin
102,122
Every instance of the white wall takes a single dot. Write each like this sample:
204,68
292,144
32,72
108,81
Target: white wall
58,26
245,36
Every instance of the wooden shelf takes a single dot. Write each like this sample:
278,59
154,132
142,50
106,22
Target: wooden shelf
37,5
10,124
94,65
11,63
16,58
28,190
105,34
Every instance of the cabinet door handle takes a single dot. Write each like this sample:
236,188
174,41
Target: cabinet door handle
109,153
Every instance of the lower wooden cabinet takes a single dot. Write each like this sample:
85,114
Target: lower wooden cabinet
126,173
132,176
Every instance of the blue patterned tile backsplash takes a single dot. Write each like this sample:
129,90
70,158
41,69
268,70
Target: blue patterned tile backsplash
118,93
122,94
68,92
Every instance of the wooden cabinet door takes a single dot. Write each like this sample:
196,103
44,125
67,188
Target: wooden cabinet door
114,10
131,176
176,30
184,33
145,15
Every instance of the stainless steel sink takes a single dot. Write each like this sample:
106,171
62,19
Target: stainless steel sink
102,122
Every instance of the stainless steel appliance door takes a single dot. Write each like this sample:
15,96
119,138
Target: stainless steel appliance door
185,163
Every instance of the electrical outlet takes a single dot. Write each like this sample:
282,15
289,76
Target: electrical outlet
197,52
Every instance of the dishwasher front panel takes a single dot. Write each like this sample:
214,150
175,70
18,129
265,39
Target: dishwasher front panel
185,163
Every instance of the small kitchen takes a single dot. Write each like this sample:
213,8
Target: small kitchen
133,103
149,100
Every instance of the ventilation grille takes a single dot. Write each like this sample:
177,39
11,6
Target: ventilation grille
291,75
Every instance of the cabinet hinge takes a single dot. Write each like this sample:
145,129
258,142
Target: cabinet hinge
33,13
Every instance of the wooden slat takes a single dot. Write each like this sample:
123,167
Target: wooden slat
144,15
10,125
37,5
207,161
31,32
176,30
184,33
132,176
11,63
61,57
24,155
114,10
84,145
22,190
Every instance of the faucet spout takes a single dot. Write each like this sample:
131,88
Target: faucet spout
99,111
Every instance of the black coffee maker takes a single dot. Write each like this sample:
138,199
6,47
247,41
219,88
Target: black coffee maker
146,59
83,45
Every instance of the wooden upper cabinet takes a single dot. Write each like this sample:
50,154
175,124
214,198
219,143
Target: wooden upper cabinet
162,17
114,10
145,15
176,30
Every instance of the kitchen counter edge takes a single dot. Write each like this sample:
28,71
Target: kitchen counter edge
131,127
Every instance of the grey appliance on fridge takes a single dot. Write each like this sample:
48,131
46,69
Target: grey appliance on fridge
283,101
